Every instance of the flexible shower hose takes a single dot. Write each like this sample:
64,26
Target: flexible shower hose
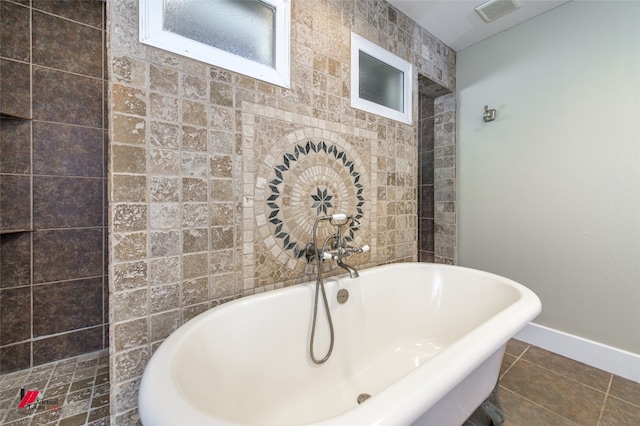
320,287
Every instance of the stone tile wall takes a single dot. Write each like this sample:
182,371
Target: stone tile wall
445,178
215,178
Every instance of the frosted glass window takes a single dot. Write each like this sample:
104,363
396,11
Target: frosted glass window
245,28
250,37
381,82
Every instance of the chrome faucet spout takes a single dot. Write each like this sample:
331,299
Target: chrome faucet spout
352,272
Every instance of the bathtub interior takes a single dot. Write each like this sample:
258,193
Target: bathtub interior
248,364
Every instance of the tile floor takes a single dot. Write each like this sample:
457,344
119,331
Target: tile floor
537,388
75,392
541,388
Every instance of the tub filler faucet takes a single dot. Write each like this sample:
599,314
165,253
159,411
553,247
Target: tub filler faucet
337,251
342,252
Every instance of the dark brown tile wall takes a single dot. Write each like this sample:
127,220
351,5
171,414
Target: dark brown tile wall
52,37
16,322
16,357
53,283
15,260
426,222
16,88
78,202
15,147
67,345
82,11
15,50
60,254
72,298
67,98
14,39
80,145
15,195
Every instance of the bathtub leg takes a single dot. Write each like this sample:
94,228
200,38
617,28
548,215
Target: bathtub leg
491,410
494,413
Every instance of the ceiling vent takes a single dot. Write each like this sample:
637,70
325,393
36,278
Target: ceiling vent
493,9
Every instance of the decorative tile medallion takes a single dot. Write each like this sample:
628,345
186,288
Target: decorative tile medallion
310,179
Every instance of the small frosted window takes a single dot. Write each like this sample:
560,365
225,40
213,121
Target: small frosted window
250,37
381,82
244,28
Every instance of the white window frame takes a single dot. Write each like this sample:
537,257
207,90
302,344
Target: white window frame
152,33
360,44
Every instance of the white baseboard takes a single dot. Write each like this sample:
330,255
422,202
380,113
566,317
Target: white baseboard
613,360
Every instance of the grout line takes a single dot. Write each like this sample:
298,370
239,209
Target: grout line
514,362
51,368
606,397
606,393
53,14
563,376
624,400
560,374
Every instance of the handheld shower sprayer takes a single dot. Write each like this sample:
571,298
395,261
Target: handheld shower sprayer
338,250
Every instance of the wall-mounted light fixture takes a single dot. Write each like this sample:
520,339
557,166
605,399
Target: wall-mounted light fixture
489,114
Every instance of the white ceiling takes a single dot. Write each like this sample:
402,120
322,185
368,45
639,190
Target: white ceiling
458,25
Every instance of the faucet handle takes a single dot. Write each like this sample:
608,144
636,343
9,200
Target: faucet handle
349,249
327,255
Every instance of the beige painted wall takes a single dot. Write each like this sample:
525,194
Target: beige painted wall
549,193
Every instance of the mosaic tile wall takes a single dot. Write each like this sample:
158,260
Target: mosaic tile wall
215,178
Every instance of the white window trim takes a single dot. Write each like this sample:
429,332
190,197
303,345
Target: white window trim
151,33
358,44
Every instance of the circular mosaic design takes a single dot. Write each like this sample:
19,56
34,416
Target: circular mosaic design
312,179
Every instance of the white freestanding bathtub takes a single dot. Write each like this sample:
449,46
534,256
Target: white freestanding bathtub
424,340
